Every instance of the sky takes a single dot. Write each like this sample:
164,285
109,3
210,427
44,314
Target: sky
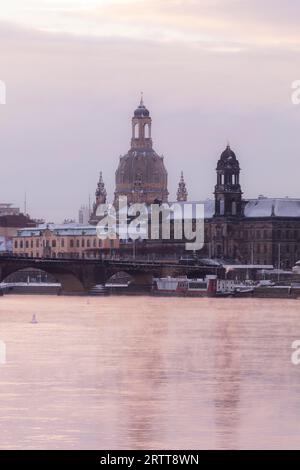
212,71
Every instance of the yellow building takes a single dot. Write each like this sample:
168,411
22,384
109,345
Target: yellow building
63,241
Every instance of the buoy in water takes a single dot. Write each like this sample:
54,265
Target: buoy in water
34,320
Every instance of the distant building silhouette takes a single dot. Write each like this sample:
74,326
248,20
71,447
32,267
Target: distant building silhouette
182,193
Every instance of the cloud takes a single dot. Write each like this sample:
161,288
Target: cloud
70,97
226,25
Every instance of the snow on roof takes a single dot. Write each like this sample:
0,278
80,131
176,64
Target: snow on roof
231,267
254,208
273,207
261,207
59,229
190,207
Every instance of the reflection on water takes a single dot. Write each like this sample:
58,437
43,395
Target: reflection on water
142,372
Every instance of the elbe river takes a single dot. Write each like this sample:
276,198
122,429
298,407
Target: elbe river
149,373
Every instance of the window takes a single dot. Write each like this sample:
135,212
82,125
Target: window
77,243
31,244
16,243
71,243
21,244
53,243
94,243
88,243
233,208
27,244
37,243
147,131
222,207
83,243
62,243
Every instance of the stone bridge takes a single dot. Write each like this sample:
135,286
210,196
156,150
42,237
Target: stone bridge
80,275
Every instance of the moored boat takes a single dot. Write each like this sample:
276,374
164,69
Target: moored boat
210,286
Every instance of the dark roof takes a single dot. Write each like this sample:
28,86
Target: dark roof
17,221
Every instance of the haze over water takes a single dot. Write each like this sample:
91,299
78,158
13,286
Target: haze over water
144,372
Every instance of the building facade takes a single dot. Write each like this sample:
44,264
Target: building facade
11,220
254,231
264,231
63,241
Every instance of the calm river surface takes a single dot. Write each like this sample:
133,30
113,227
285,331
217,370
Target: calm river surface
142,372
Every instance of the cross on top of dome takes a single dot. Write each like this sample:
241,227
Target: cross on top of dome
141,111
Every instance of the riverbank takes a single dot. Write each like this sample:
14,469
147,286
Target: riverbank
271,292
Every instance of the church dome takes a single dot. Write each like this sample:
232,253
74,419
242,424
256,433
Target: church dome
141,111
142,172
228,160
228,154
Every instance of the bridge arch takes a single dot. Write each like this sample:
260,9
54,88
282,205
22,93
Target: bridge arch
119,277
69,282
133,278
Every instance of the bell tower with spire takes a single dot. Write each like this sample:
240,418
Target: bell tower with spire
101,196
228,193
182,193
141,127
100,191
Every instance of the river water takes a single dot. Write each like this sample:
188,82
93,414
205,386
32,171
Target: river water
145,372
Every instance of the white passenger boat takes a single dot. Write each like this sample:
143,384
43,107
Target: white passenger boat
182,286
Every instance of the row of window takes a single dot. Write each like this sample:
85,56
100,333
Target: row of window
73,243
265,234
283,248
261,234
64,255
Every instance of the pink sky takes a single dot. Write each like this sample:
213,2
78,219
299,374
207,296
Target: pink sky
211,71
